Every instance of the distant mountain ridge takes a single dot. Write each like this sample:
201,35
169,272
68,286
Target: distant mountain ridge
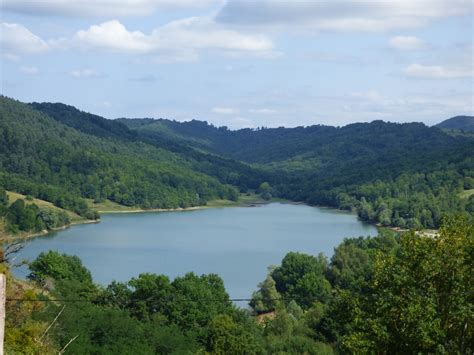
460,123
355,141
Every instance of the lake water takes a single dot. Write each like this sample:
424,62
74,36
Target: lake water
237,243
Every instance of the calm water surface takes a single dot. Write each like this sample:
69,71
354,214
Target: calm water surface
236,243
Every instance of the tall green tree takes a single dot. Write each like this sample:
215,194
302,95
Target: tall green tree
265,190
266,298
420,299
301,277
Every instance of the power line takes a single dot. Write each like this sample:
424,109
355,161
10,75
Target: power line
98,301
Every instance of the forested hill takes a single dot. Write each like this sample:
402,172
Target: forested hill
461,123
408,175
405,175
42,157
226,170
356,153
270,145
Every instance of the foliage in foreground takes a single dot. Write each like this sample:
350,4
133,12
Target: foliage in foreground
387,294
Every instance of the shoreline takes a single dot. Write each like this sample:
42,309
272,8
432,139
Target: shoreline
45,232
378,226
179,209
255,203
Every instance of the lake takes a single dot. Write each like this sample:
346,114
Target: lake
237,243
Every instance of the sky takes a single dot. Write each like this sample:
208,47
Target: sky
243,63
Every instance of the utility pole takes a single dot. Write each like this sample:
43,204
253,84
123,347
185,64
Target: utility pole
3,293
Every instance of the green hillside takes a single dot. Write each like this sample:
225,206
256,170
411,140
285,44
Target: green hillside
226,170
50,160
458,123
406,175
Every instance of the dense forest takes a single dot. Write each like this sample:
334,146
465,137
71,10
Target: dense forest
227,170
405,294
52,161
402,175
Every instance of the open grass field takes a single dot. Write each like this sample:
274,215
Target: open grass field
108,206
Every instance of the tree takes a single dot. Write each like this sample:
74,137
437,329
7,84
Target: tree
287,335
265,190
149,294
468,183
28,218
470,204
353,260
350,266
23,217
3,197
301,277
267,298
15,212
196,300
420,299
59,267
228,337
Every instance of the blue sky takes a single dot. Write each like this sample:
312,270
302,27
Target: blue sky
243,63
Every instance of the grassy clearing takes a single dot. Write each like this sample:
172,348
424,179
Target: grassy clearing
467,193
252,198
13,196
244,200
108,206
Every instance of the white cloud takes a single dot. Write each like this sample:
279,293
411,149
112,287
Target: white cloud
438,72
17,39
106,8
181,39
84,73
263,111
29,70
225,110
340,15
406,43
113,36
